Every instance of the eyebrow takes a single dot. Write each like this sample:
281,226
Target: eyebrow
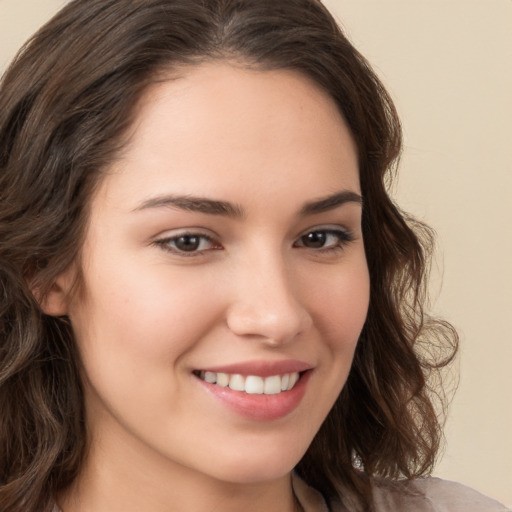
330,202
226,209
194,204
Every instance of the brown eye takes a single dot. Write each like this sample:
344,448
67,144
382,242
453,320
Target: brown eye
325,239
314,240
187,243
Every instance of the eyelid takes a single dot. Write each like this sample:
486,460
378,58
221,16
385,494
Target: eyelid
176,233
330,228
344,235
164,241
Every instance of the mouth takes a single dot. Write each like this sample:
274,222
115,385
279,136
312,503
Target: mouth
251,384
257,390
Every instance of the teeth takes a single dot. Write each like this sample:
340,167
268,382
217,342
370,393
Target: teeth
272,385
252,384
237,383
210,377
222,380
294,377
285,380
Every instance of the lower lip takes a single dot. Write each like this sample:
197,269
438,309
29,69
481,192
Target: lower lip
260,407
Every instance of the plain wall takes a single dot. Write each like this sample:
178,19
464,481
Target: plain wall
447,64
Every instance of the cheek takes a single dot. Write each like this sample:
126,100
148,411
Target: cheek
135,331
341,308
148,316
341,305
339,302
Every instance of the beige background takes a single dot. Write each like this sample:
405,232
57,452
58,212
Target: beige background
448,65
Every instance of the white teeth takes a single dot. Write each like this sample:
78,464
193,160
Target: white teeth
294,377
222,380
252,384
210,377
272,385
237,383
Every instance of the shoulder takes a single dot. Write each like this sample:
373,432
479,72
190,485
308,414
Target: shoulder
432,495
418,495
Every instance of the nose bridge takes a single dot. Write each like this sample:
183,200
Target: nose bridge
266,303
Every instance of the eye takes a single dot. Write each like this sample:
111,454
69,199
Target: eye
188,244
325,239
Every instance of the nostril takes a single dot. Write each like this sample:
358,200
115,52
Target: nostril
276,323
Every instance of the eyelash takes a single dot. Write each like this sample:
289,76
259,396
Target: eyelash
343,236
165,244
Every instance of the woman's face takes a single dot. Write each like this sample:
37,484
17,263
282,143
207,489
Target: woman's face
224,251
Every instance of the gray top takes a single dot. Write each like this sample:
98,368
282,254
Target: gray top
420,495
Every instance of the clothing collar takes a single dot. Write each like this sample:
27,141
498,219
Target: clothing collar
309,499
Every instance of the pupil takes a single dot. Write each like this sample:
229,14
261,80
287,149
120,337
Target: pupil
315,239
187,243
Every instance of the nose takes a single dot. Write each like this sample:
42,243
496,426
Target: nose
266,304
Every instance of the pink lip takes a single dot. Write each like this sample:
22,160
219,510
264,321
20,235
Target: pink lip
260,407
261,368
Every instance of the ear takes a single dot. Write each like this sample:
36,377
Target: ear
56,301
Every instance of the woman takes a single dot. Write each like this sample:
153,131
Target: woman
209,300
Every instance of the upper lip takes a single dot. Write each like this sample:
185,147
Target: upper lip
261,368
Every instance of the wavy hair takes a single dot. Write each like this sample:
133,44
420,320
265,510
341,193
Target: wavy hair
66,102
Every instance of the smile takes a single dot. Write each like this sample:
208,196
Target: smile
251,384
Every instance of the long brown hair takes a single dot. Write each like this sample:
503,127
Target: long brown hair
65,104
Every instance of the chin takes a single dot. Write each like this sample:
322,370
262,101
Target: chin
247,474
251,469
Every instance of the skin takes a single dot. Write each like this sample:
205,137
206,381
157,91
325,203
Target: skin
268,142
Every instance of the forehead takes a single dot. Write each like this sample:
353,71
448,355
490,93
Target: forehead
217,128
